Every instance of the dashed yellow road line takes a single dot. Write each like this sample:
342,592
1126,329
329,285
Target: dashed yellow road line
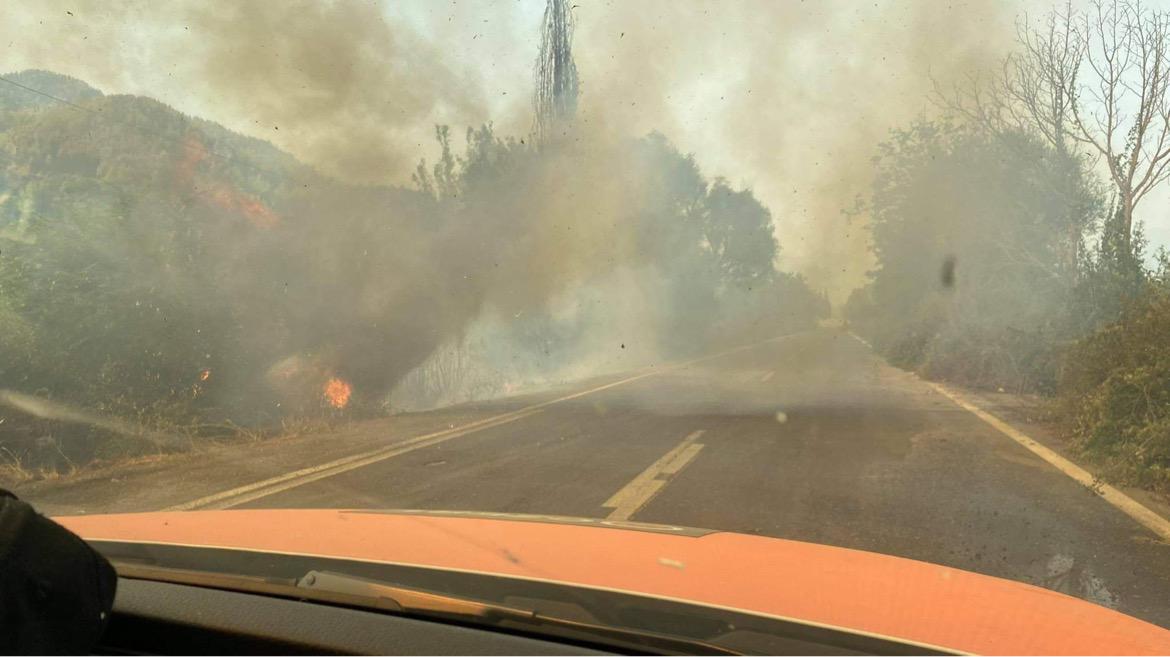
641,489
1122,502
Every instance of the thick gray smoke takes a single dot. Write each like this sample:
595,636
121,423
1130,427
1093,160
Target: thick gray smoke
335,83
790,98
787,98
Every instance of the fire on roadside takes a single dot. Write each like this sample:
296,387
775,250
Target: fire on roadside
337,392
217,192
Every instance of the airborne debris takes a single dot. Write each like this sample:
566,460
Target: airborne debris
947,275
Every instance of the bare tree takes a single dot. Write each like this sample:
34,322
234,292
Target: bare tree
555,97
1033,92
1121,109
1039,81
1094,80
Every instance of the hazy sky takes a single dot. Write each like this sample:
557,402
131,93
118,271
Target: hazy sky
788,98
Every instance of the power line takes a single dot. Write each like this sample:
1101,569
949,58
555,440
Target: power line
46,95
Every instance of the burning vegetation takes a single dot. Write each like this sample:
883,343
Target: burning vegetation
161,271
337,393
144,245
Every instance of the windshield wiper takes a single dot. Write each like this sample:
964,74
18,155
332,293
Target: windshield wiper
399,598
429,604
347,590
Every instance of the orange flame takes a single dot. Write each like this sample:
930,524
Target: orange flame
205,375
337,392
251,208
220,193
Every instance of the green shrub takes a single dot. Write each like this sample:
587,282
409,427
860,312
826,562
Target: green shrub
1115,391
998,358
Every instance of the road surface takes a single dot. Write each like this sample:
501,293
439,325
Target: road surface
809,437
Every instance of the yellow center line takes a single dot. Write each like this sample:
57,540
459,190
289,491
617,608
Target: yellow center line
1122,502
641,489
398,449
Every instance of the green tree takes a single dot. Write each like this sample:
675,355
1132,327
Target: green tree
971,232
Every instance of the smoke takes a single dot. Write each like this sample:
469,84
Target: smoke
789,99
334,83
56,411
604,325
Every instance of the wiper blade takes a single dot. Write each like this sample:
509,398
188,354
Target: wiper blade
429,604
347,590
400,598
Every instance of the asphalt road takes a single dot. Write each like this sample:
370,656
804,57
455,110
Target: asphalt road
808,437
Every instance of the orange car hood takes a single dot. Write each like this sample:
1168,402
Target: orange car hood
861,591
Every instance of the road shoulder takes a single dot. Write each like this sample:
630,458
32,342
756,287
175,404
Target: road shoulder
1030,415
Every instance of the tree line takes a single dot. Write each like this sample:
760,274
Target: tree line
1008,251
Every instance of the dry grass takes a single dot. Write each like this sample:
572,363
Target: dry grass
305,426
249,434
14,470
157,439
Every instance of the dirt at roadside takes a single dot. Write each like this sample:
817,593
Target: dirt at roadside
157,482
1032,415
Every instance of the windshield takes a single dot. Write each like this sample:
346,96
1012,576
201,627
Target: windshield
888,277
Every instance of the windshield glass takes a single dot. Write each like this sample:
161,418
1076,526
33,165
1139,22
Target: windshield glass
886,276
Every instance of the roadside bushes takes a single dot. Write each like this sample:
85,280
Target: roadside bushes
1048,292
1115,391
1005,359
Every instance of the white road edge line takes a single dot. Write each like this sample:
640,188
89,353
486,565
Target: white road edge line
1122,502
265,487
860,339
641,489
